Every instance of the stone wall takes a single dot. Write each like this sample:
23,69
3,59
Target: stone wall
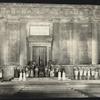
75,32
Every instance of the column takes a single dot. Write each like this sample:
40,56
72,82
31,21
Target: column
47,53
31,53
5,52
3,42
71,43
50,54
75,43
23,45
55,44
94,44
21,59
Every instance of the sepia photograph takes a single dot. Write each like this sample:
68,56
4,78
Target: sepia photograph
49,50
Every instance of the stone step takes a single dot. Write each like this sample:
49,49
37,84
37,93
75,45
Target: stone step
92,91
66,93
61,91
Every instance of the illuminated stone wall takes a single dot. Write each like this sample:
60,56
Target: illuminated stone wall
74,31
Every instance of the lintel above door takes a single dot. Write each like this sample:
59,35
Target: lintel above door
40,39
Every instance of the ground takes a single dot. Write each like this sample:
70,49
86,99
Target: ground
50,88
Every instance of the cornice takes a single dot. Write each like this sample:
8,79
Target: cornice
50,11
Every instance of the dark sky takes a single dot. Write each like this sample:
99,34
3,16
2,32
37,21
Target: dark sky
92,2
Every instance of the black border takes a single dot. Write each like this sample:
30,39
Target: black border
80,2
90,2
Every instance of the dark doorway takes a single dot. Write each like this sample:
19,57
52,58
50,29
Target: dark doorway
39,53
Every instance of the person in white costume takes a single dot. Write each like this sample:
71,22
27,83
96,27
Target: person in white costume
93,73
63,75
46,71
99,72
27,73
1,73
76,72
59,75
88,73
52,72
96,74
24,76
56,71
85,73
21,75
80,73
36,71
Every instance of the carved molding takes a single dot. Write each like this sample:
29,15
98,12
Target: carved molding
78,13
52,11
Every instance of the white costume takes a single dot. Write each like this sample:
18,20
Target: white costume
88,74
24,76
59,75
20,77
96,75
92,72
63,76
36,72
85,72
27,72
76,74
81,73
0,74
31,72
52,73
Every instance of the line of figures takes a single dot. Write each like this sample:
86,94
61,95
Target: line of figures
60,75
38,70
86,73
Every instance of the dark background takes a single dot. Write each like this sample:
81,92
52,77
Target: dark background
91,2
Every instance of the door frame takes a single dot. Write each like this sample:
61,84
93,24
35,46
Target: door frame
47,45
38,47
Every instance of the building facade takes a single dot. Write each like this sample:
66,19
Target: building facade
66,34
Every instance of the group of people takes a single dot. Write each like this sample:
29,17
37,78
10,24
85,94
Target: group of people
32,69
86,73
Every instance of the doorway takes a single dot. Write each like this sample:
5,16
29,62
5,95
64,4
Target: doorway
39,53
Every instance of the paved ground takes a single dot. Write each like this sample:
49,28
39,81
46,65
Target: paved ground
50,88
90,88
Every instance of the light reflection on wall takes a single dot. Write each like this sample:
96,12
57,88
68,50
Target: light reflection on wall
21,59
74,51
5,52
39,30
94,52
